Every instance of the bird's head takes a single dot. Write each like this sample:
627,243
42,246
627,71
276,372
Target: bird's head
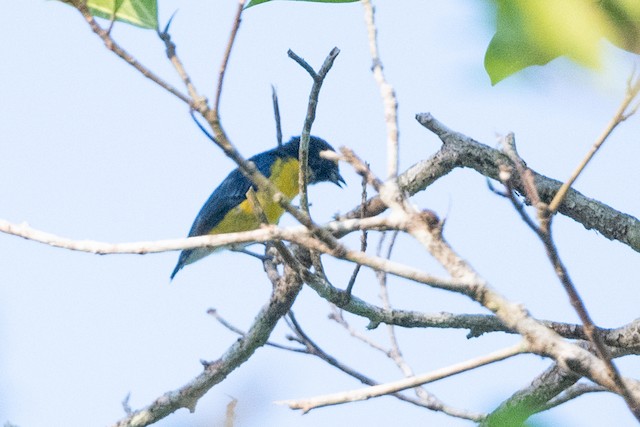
320,169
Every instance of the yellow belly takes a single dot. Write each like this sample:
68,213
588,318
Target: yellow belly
284,174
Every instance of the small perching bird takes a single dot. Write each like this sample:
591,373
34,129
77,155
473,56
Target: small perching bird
229,208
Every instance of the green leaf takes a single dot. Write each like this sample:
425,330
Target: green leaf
534,32
141,13
625,16
257,2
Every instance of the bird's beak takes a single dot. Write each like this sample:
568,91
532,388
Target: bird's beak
337,179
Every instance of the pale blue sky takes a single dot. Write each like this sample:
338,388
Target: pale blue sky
92,150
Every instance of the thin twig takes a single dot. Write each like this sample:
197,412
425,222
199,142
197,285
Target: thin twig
285,290
115,48
363,238
276,115
429,399
227,54
590,329
300,235
304,64
524,173
303,148
620,116
113,18
386,91
509,193
384,389
543,231
395,353
303,156
170,48
315,350
214,313
336,316
545,342
202,128
230,414
571,393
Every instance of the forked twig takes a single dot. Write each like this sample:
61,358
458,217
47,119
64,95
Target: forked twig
318,80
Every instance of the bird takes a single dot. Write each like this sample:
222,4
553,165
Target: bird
229,208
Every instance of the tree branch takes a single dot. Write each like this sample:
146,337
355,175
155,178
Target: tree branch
303,150
387,93
285,291
110,44
622,114
539,339
460,151
383,389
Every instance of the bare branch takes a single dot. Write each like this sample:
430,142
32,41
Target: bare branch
383,389
540,340
299,235
224,322
283,296
571,393
621,115
545,391
460,150
227,54
544,234
363,238
170,49
590,328
115,48
276,115
318,80
529,400
432,404
386,91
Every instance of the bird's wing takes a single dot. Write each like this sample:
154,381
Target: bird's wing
229,194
